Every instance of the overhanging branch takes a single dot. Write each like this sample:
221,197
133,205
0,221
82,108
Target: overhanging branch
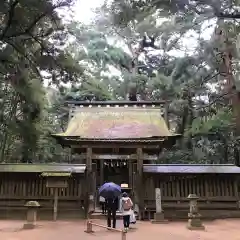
10,18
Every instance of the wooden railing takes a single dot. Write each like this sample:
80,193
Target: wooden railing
204,187
90,225
36,189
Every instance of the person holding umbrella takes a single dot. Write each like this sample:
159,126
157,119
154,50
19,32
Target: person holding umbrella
112,206
110,191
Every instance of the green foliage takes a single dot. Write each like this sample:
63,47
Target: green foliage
219,122
31,36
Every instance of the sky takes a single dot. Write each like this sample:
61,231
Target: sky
84,9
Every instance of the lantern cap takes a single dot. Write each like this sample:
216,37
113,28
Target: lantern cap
192,197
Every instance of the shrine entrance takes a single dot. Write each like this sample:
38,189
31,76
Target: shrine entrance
116,171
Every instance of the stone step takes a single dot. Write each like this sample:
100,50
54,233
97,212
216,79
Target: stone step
97,214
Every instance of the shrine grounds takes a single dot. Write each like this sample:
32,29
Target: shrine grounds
74,230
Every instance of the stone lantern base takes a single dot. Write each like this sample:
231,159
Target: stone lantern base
159,218
195,224
29,225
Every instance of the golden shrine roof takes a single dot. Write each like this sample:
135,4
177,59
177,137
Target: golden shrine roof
116,123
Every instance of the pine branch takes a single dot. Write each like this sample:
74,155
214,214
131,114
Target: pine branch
38,19
10,18
229,15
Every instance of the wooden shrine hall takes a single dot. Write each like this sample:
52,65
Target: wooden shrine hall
115,139
120,141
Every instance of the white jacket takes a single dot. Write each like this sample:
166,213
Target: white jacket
124,212
101,199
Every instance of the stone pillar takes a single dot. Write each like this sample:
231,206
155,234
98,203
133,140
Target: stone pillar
55,204
194,217
91,207
159,215
32,207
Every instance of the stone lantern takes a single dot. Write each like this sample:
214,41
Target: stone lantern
194,217
32,207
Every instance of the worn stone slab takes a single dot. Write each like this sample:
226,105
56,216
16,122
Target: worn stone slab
159,218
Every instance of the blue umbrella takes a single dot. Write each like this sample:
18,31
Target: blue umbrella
109,190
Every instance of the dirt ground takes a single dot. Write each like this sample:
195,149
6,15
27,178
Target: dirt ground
74,230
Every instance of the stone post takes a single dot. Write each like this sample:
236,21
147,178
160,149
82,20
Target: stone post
32,207
89,227
123,235
55,204
159,215
194,217
91,203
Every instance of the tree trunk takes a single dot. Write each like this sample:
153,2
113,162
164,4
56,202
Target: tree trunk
6,130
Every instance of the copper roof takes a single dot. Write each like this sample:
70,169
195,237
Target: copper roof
39,168
191,168
116,123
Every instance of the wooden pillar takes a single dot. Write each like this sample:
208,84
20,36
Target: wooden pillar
178,189
140,181
206,182
89,164
236,194
88,179
101,172
130,173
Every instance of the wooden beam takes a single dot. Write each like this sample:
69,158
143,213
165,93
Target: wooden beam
118,157
113,103
156,146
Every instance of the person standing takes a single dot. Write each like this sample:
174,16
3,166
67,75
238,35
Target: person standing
111,206
126,209
102,204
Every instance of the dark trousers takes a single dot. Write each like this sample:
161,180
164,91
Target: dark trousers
103,206
111,214
126,221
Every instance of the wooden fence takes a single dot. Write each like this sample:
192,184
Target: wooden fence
203,186
216,192
34,187
18,188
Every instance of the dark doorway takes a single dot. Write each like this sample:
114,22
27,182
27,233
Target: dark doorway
116,171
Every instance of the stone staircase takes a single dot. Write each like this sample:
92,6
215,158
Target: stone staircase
97,214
